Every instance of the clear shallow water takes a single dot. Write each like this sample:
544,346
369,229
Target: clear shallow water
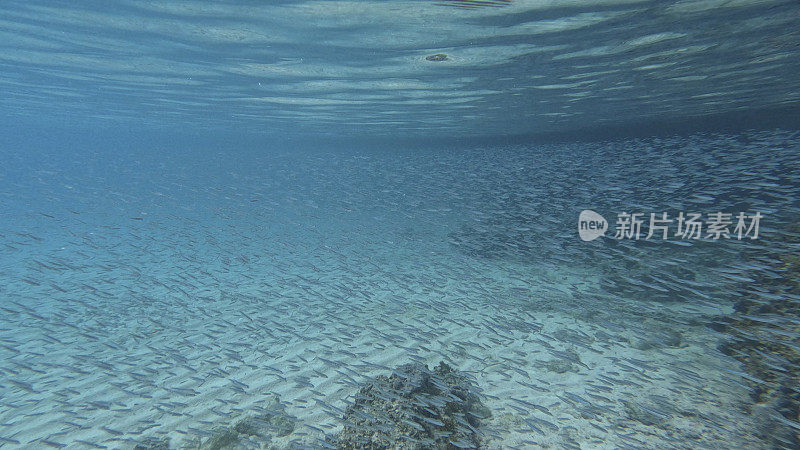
210,240
159,295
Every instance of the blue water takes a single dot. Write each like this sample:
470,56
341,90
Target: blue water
221,221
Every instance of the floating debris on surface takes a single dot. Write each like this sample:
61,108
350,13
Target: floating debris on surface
437,57
414,408
472,4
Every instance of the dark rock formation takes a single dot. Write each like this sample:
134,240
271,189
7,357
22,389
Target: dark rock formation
273,422
414,408
254,430
764,334
153,443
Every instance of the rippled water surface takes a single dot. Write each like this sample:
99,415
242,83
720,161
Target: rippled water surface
525,66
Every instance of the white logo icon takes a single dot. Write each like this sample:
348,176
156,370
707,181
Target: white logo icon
591,225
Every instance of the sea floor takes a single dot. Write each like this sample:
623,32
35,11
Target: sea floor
174,364
172,305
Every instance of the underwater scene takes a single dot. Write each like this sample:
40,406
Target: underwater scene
419,224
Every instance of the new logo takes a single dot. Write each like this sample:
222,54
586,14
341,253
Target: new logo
591,225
